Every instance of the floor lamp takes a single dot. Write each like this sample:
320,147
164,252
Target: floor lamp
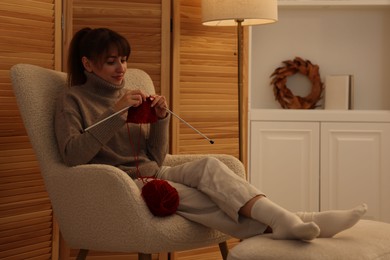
239,13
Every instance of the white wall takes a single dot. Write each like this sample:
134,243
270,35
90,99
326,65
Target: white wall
341,40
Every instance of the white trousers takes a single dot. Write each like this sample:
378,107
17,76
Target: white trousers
211,194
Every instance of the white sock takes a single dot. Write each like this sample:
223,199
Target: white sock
284,224
334,221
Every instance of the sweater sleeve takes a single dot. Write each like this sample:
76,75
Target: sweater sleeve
76,146
158,141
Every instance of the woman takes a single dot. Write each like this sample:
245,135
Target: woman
210,193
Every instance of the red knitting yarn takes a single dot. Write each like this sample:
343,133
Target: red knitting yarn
162,199
143,114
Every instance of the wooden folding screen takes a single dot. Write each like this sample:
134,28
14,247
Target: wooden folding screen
204,83
29,33
146,25
196,71
203,69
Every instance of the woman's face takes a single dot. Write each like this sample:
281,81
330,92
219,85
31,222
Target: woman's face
112,69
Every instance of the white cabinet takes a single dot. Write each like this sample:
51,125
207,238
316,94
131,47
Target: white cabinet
355,167
319,160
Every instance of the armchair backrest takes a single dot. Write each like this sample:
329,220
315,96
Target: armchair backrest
36,90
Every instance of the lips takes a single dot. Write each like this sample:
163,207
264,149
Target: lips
118,78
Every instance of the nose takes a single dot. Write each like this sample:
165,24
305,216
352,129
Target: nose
121,67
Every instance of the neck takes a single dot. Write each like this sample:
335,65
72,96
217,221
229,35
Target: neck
100,85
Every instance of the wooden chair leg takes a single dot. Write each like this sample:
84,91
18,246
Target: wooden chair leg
82,254
142,256
223,247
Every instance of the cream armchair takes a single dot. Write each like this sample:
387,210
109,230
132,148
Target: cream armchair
98,207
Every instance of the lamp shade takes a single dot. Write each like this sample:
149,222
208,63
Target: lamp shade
250,12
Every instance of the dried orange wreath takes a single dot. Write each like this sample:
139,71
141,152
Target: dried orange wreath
285,96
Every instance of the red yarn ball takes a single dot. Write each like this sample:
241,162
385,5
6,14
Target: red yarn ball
161,198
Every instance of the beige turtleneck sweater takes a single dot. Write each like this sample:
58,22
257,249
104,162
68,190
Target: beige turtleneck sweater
109,142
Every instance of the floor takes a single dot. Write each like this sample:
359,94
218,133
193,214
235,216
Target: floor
207,253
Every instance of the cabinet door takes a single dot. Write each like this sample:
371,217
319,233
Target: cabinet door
355,167
284,163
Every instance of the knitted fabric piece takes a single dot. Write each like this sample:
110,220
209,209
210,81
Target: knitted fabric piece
143,114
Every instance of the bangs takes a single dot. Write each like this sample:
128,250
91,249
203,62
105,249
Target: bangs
122,46
107,42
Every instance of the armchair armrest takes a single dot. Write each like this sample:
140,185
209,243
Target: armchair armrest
104,210
89,196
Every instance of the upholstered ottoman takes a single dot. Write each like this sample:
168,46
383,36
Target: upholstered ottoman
366,240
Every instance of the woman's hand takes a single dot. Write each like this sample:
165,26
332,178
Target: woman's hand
160,105
131,98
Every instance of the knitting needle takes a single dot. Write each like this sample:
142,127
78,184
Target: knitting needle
190,126
105,119
171,112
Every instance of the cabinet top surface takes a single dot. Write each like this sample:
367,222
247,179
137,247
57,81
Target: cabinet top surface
311,115
334,2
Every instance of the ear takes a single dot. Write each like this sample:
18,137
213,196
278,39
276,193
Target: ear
87,64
